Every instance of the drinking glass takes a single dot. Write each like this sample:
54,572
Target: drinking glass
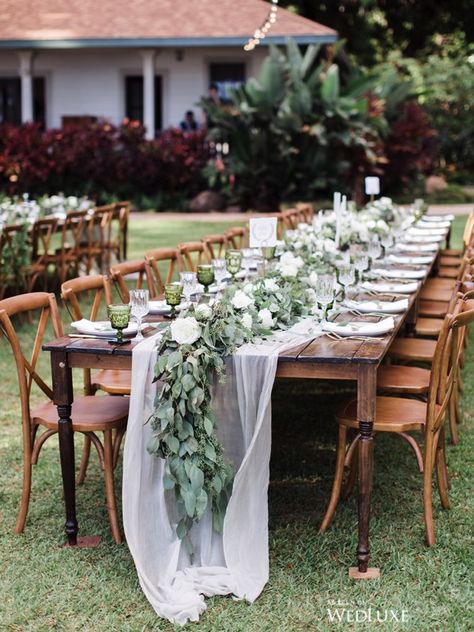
233,260
247,260
374,250
173,293
119,316
205,275
189,283
346,277
140,306
325,292
387,241
220,271
269,252
259,262
361,263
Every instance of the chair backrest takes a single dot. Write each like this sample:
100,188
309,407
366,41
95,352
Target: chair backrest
444,368
193,253
73,289
236,237
15,248
73,233
43,231
100,227
27,365
160,257
119,229
138,271
306,212
468,230
216,245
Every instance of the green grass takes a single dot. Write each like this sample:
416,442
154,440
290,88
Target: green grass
44,586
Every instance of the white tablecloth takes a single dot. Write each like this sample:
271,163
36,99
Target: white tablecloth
235,562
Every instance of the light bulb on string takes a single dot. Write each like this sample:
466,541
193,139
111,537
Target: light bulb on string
261,32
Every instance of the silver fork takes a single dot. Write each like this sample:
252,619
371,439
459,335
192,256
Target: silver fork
333,336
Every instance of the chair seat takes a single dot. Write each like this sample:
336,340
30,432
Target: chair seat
451,262
448,273
89,413
393,414
428,326
437,283
403,379
436,294
414,349
451,252
112,381
433,309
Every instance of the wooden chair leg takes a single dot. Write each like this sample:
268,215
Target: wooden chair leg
352,463
428,488
442,471
337,482
453,430
86,450
25,494
110,487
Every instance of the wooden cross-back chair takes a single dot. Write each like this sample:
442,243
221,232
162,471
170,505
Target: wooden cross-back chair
169,258
16,271
67,256
96,253
306,212
236,237
448,256
216,245
42,237
117,244
403,416
193,254
75,293
137,271
90,415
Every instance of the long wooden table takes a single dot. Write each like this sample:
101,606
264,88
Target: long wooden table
322,358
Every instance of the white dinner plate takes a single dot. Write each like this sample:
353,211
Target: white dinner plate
162,308
102,328
360,328
387,307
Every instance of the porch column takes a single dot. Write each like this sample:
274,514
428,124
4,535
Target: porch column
148,58
26,75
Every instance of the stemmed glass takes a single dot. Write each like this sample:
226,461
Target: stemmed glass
247,260
205,276
374,250
233,260
140,306
387,241
324,292
189,283
220,272
119,316
361,263
346,277
173,293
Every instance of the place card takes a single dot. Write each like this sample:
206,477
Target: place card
372,185
263,232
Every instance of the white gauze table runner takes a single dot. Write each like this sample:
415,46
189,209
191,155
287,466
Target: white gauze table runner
235,562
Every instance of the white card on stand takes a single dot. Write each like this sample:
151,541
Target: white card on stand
263,232
372,185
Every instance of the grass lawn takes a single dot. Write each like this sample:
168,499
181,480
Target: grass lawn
44,586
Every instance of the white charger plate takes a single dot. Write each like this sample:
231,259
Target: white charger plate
102,328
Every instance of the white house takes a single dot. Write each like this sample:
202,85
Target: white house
149,60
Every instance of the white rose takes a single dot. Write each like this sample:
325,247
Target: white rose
310,295
381,225
240,300
185,331
203,312
329,245
313,279
273,307
265,317
271,285
288,270
371,224
298,262
248,289
247,321
287,257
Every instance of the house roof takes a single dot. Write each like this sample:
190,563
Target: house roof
108,23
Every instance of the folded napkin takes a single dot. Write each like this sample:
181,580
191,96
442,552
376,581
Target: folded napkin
419,239
432,225
391,307
438,218
387,287
396,273
361,328
410,259
420,247
100,328
427,232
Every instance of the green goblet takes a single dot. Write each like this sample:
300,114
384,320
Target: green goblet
119,316
173,294
205,276
233,260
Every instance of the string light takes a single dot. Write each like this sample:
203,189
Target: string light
263,29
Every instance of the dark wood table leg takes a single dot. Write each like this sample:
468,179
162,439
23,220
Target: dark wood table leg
63,398
366,394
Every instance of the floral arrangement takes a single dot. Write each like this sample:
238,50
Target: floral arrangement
25,210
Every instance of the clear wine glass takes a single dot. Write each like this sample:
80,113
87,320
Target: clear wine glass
247,261
325,292
346,277
220,270
140,306
361,263
189,283
374,250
